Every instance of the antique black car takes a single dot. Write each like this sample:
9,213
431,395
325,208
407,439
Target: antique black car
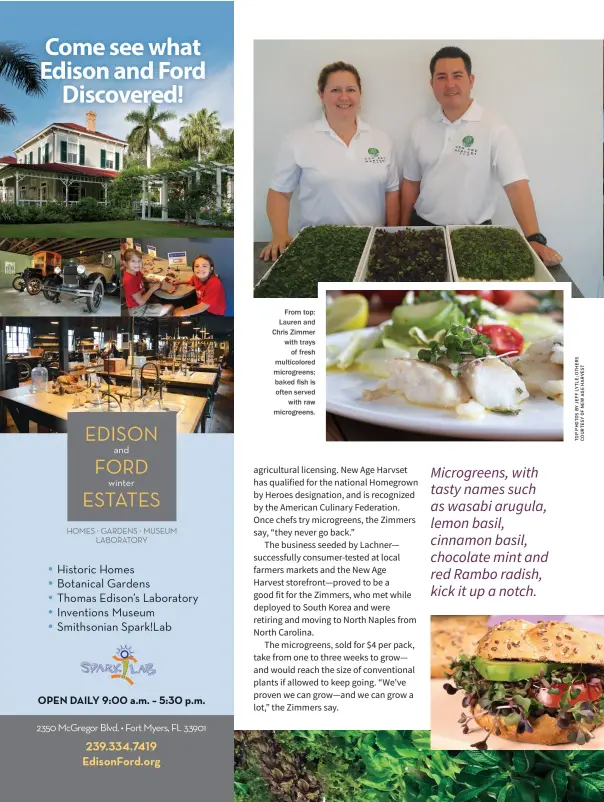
80,280
32,279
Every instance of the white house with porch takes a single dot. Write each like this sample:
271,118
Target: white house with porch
63,164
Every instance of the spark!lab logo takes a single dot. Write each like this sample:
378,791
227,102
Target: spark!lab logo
125,664
374,156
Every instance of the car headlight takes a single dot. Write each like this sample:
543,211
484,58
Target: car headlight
57,270
80,269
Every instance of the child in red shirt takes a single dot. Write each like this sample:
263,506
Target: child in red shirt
136,295
208,287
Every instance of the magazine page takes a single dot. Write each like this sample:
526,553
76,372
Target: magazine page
420,461
381,588
116,400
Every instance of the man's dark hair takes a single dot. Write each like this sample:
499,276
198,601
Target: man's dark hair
451,52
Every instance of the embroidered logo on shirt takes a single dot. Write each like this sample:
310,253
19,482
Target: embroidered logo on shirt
374,157
465,148
465,151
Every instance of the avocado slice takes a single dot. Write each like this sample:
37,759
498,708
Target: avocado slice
507,670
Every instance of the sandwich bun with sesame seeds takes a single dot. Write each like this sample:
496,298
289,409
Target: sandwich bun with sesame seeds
454,635
547,641
533,683
545,729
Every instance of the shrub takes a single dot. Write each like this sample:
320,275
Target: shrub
120,213
12,213
54,213
223,219
88,209
126,187
177,209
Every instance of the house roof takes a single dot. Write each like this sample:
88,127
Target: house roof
8,160
82,129
76,169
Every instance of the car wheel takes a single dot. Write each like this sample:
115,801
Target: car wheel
49,292
34,285
24,371
94,301
19,283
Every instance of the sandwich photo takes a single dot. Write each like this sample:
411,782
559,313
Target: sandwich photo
532,683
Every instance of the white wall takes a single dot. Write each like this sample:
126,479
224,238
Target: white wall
93,146
548,92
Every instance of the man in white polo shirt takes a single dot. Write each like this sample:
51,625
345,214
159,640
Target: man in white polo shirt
456,159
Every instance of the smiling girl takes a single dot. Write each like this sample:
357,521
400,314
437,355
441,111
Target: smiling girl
208,287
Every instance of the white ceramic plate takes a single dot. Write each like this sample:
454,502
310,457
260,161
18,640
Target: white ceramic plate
540,418
446,733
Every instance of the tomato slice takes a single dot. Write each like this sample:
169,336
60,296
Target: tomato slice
487,295
504,339
502,297
391,297
587,693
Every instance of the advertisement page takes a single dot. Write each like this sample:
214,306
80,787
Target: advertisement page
369,574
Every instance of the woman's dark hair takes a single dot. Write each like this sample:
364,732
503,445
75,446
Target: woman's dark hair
451,52
337,66
207,258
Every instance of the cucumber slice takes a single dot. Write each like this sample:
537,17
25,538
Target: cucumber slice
408,315
430,317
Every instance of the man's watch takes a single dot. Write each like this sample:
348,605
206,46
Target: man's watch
537,238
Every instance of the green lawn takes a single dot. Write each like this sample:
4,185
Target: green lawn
113,228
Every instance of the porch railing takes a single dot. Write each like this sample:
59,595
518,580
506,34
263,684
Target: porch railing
38,202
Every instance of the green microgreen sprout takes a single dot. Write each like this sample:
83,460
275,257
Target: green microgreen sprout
318,253
489,253
460,343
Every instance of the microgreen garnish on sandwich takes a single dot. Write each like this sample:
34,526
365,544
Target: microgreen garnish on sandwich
532,683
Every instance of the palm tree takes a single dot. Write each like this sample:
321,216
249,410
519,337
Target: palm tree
225,147
21,70
200,130
147,123
176,150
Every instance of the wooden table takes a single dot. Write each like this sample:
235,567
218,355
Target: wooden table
180,293
161,269
261,267
50,411
201,383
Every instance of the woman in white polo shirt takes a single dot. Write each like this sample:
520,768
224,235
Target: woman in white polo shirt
345,170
